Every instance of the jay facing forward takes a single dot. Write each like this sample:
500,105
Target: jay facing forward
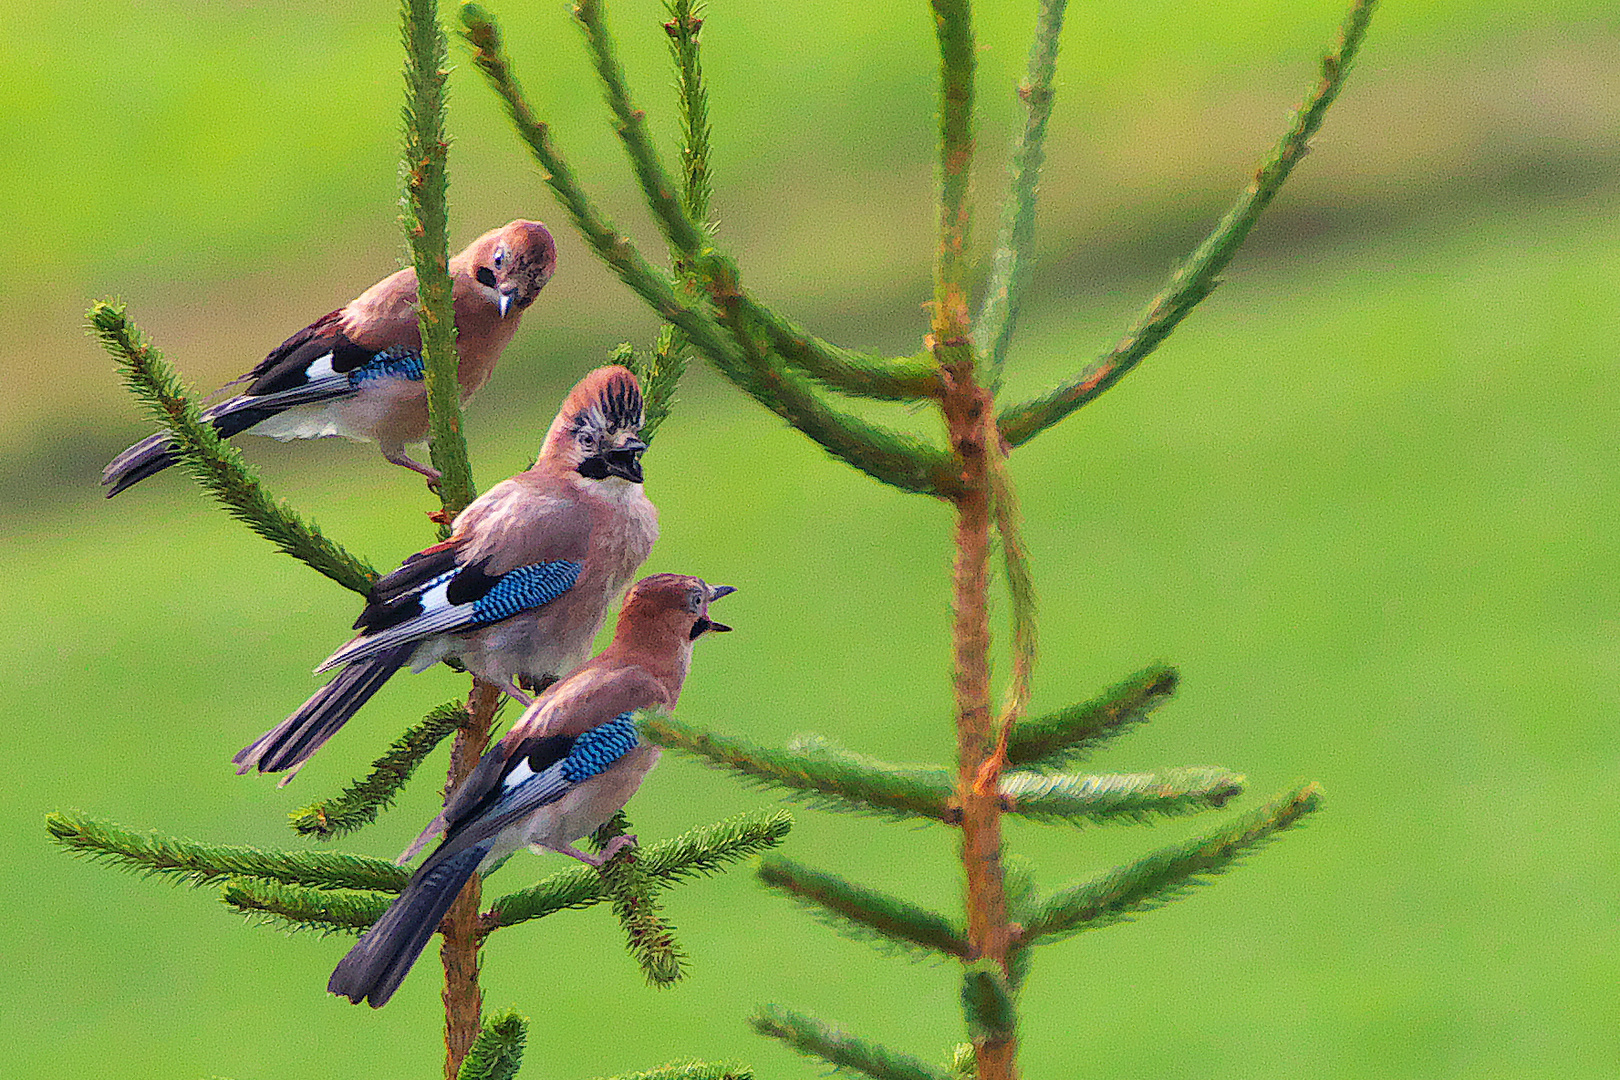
568,765
358,371
522,586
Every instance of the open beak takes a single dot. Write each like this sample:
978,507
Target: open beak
625,463
715,593
626,460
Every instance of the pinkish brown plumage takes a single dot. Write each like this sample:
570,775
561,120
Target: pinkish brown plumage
358,371
521,588
569,764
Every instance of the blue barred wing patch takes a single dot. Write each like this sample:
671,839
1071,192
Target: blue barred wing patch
398,362
526,587
596,750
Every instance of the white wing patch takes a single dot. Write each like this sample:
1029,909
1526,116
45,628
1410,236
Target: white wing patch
438,615
520,772
320,368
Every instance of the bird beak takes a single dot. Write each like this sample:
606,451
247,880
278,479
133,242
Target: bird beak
715,593
625,462
505,302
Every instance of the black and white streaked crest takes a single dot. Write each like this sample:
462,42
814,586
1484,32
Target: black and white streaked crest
618,407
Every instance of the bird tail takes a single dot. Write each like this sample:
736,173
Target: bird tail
379,961
155,453
293,741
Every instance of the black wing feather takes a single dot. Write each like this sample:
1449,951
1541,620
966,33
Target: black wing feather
484,788
392,599
287,366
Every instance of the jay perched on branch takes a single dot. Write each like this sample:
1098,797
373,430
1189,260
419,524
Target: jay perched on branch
521,588
358,371
568,765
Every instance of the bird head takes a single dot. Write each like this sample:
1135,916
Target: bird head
511,264
669,611
595,432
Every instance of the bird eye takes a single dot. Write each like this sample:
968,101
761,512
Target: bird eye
587,439
500,257
486,277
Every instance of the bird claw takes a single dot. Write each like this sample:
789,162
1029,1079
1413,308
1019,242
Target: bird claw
614,846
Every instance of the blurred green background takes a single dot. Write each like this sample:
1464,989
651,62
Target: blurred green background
1365,499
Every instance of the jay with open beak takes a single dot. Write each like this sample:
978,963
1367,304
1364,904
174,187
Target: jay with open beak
569,764
521,588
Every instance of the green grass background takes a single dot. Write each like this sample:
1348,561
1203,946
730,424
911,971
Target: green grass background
1364,499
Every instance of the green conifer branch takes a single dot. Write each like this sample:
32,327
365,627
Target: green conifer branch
295,907
1062,737
826,777
692,1070
1167,874
894,458
1018,883
849,371
633,891
864,912
1015,243
427,228
705,850
359,804
1198,276
813,1038
613,247
498,1050
196,863
987,1002
576,887
684,28
843,369
1118,798
662,193
214,463
902,460
660,372
953,28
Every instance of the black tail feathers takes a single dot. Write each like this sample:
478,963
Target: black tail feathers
155,453
379,962
293,741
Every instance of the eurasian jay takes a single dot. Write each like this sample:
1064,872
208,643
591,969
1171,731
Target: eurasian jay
521,588
568,765
358,371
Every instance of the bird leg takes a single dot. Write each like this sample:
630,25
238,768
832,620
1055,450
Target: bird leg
614,846
396,454
515,694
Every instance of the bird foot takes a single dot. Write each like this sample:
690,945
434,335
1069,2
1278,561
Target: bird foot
400,458
511,691
614,846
